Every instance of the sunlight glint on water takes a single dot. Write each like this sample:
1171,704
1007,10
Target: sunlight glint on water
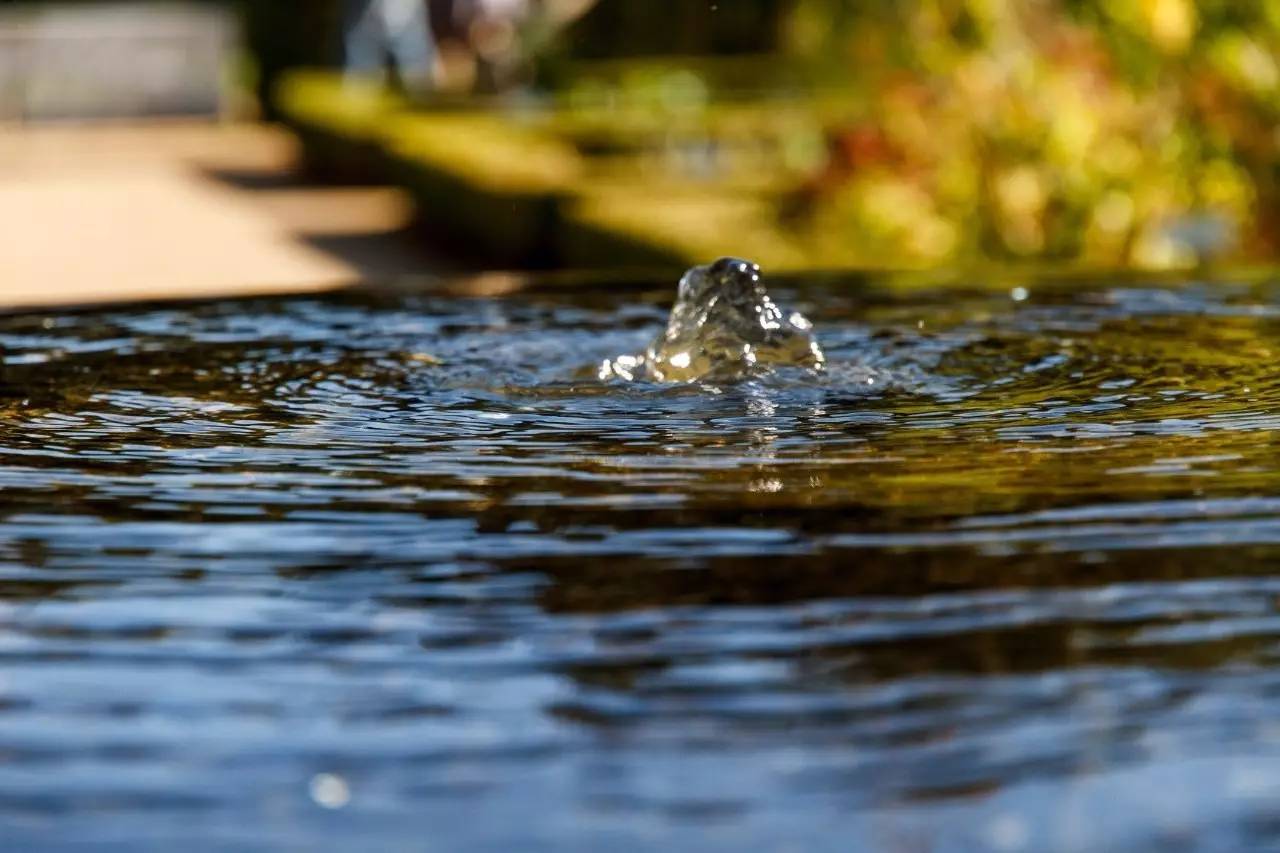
313,571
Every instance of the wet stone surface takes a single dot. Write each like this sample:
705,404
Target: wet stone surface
354,573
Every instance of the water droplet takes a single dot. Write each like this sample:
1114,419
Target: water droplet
330,790
1008,832
724,323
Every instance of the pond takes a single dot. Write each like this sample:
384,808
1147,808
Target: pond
385,571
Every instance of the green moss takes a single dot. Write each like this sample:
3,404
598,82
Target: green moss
486,150
684,228
325,100
518,188
485,182
340,123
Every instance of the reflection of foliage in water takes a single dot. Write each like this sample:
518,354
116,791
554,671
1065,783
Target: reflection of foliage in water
1002,545
1137,131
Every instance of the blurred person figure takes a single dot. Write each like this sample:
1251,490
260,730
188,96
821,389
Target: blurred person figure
374,29
493,33
502,36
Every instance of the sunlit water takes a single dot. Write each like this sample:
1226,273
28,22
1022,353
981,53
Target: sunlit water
723,328
399,574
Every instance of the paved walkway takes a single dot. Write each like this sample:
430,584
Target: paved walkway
104,213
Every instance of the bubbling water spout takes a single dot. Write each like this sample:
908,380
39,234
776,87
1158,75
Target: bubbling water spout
722,327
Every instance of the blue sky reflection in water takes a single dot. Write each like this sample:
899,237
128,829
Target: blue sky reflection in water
325,574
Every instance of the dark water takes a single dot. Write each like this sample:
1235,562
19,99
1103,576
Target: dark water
390,574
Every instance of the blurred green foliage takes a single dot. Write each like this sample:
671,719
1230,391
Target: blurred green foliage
1126,131
922,132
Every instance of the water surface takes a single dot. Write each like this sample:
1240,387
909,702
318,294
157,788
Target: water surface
399,573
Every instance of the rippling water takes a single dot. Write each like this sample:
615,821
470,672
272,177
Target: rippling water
398,573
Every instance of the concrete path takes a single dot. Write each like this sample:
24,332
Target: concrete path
106,213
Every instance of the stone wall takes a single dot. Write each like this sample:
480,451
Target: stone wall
113,60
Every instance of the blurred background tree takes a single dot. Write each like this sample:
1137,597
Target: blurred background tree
1134,130
1103,132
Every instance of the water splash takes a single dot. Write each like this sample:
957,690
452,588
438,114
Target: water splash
723,327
